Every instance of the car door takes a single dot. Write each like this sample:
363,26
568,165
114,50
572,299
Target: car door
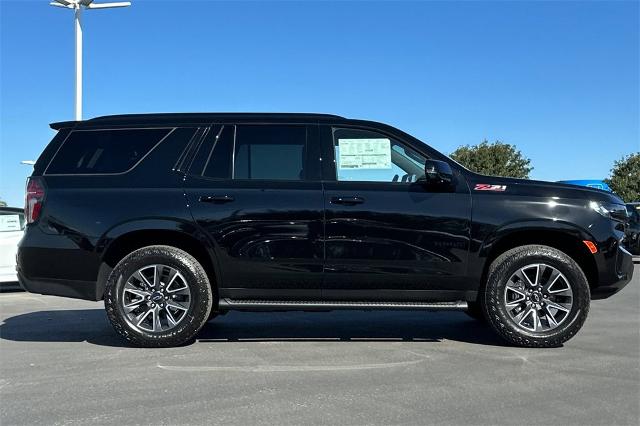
255,190
388,236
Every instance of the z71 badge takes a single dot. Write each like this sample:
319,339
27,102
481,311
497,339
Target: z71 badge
489,187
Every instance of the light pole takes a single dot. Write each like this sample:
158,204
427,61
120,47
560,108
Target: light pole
77,6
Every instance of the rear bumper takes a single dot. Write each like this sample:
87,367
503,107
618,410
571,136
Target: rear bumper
621,271
67,288
57,265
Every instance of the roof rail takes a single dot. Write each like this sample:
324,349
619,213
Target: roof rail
213,114
198,116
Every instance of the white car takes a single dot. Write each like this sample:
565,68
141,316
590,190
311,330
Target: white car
11,230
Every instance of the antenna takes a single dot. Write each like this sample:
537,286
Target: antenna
78,6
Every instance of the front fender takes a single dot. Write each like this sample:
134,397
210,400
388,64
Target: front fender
531,225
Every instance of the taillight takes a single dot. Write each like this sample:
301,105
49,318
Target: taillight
33,199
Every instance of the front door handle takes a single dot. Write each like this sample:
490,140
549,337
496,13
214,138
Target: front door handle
347,201
218,199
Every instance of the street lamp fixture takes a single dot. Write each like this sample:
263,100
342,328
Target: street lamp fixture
78,6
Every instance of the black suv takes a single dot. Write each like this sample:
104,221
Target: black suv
175,218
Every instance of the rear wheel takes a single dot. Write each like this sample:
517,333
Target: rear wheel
158,296
536,296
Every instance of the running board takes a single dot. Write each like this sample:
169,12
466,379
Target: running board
312,305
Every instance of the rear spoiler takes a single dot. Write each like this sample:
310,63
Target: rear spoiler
63,124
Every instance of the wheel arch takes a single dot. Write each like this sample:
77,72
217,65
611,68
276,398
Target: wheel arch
564,237
131,236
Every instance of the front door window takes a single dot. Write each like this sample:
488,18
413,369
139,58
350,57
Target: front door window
366,156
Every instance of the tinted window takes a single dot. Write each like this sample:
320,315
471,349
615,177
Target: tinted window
214,156
362,155
104,151
270,152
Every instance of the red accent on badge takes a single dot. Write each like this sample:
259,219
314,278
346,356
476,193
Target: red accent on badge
489,187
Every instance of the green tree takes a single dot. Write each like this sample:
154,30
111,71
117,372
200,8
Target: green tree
625,178
494,159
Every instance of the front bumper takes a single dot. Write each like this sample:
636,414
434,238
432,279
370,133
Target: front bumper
623,272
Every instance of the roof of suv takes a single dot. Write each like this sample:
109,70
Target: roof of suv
200,117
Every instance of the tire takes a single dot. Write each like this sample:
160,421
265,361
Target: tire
193,297
504,320
475,311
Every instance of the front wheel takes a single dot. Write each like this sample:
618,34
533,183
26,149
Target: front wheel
158,296
536,296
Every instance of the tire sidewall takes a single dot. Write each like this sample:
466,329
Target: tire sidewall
501,271
196,279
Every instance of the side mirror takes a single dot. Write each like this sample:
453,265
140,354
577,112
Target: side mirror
438,173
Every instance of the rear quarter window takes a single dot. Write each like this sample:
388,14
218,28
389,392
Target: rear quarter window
104,151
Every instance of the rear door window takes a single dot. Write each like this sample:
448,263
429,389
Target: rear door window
105,151
273,152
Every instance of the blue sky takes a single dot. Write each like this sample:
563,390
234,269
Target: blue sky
560,80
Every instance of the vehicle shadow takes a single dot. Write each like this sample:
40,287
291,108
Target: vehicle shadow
92,326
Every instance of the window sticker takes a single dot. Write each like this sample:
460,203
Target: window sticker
9,222
358,154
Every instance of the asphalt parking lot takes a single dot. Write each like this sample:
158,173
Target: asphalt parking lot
61,363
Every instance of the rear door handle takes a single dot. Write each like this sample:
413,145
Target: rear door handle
347,201
219,199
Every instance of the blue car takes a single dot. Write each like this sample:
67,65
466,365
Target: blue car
591,183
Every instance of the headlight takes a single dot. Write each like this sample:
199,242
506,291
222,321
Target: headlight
610,210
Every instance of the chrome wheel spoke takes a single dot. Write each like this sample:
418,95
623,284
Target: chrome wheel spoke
177,305
142,317
532,282
549,316
131,306
157,325
140,277
555,275
177,283
156,276
557,306
515,303
559,286
535,320
135,292
523,314
170,318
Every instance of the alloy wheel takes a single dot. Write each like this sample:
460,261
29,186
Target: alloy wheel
538,297
155,298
